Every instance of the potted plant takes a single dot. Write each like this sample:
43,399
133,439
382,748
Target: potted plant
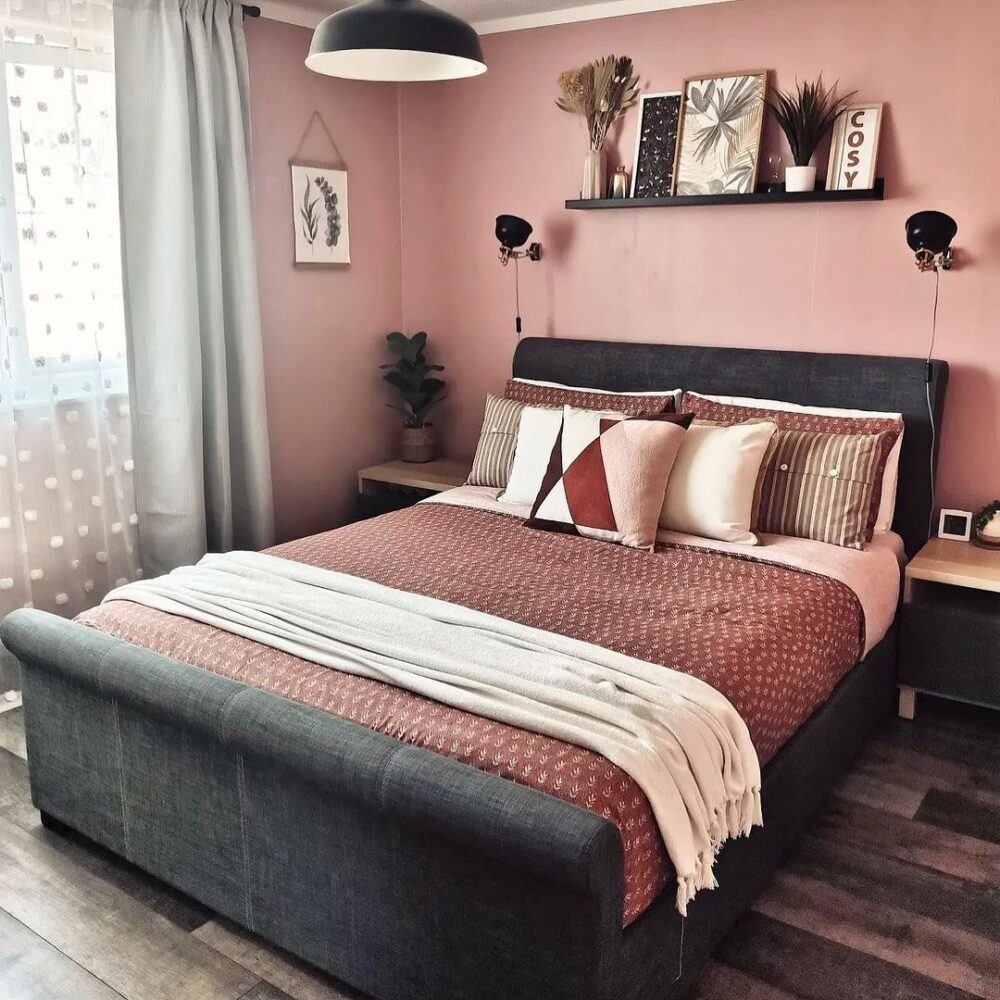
600,93
805,115
987,525
410,375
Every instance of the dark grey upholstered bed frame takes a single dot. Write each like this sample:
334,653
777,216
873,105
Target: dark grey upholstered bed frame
406,874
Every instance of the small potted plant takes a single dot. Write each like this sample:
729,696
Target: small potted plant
419,391
987,525
805,115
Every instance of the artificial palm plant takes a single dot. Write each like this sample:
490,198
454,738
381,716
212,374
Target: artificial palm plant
806,114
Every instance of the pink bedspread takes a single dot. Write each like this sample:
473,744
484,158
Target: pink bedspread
774,640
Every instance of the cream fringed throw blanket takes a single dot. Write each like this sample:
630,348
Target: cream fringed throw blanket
682,741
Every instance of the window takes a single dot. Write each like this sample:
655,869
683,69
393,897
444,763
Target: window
60,278
68,525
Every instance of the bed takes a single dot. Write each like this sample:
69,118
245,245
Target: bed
400,868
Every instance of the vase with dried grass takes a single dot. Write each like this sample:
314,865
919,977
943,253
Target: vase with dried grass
600,93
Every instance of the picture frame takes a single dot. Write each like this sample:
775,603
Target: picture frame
320,219
955,524
854,148
719,153
656,145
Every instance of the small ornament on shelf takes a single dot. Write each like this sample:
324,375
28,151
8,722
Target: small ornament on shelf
620,183
986,525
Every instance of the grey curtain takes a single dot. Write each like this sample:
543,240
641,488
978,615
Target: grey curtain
199,427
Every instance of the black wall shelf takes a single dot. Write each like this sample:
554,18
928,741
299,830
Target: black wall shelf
876,193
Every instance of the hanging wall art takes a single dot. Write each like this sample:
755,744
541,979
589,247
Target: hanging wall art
319,206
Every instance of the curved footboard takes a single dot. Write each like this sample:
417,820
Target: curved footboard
404,873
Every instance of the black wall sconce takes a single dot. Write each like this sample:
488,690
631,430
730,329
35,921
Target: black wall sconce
513,233
929,235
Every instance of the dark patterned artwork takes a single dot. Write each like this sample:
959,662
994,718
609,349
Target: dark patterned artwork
655,145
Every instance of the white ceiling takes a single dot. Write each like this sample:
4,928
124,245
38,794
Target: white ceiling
490,15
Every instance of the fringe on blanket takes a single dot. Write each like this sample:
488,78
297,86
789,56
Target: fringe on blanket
736,818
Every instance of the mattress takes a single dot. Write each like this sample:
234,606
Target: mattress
762,628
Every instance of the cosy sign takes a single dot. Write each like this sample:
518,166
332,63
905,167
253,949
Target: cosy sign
854,147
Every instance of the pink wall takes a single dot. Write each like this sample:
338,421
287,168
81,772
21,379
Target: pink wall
323,327
824,278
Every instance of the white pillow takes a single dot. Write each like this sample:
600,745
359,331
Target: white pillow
711,487
890,477
536,437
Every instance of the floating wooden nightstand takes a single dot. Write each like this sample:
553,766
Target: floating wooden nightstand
950,642
395,485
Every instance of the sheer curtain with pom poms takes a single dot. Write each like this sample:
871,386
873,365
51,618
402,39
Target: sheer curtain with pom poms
67,513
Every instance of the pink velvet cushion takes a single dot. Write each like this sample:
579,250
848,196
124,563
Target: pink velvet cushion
607,476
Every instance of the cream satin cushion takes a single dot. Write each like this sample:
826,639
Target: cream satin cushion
711,488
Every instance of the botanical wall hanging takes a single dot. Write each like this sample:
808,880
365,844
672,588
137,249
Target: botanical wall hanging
319,205
718,149
600,93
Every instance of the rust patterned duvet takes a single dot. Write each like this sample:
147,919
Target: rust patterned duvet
775,641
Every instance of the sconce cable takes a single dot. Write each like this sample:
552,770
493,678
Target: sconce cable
927,388
517,299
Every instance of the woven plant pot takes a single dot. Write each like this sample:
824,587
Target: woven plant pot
417,444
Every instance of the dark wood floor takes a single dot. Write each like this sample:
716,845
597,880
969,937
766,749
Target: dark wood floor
894,895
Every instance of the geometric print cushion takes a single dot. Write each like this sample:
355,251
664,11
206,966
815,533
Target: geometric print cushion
498,438
495,451
607,476
631,404
821,486
888,427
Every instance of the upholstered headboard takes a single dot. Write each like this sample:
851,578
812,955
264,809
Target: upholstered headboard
845,380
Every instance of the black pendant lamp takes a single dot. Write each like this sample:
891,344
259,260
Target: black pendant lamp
398,41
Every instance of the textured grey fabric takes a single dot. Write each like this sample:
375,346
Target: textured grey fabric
852,381
406,874
950,643
196,374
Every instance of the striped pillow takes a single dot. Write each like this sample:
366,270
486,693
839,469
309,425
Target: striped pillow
822,486
495,451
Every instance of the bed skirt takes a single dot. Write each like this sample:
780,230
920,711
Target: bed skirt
408,875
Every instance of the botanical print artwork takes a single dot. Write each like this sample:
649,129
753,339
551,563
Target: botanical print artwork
656,144
319,206
719,145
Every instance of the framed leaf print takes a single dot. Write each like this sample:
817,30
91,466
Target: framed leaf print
656,145
319,215
718,143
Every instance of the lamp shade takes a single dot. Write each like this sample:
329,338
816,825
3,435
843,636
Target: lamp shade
399,41
929,230
512,231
